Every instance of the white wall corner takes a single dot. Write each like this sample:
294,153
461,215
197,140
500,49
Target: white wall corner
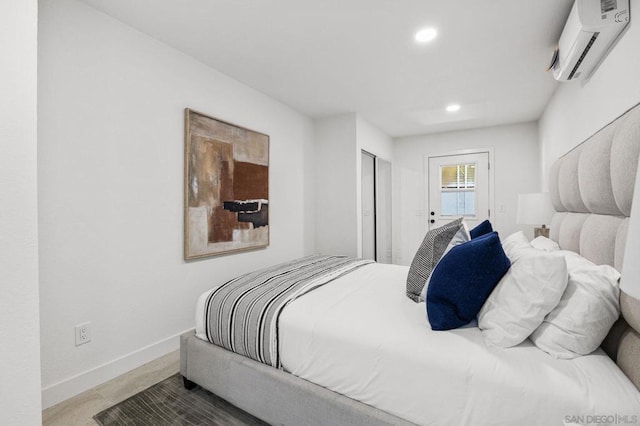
19,243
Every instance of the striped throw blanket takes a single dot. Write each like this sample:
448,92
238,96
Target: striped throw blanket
242,314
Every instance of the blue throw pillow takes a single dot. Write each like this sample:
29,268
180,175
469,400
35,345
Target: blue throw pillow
480,230
463,280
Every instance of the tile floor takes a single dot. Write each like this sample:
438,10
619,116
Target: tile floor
79,410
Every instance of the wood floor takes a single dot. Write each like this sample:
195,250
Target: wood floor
79,410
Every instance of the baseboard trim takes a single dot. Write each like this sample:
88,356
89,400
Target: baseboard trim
68,388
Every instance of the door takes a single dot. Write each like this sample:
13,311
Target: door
383,211
368,194
376,208
458,185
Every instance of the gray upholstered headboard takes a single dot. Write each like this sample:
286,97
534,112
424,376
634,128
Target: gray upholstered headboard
592,190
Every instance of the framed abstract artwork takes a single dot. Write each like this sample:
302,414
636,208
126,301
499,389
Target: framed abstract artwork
226,187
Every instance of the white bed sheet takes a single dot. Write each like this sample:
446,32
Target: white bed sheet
362,337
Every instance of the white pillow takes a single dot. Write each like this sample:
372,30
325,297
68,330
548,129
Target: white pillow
544,243
517,245
462,236
586,312
530,290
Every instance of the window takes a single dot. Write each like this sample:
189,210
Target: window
458,190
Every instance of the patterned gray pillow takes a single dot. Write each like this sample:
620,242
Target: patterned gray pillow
428,255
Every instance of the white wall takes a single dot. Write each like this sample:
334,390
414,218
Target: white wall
373,140
336,166
516,169
19,322
111,192
577,110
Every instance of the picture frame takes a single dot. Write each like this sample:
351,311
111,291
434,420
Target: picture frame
226,187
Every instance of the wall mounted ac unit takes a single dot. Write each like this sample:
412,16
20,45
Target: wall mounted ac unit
593,28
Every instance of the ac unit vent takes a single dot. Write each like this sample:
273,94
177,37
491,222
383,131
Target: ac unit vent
584,53
591,32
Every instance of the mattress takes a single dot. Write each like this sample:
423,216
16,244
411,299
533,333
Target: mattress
362,337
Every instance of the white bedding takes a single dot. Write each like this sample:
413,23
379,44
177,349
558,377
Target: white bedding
362,337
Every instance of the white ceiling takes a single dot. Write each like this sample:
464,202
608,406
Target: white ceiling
327,57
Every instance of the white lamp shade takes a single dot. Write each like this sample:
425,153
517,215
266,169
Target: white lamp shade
630,281
534,209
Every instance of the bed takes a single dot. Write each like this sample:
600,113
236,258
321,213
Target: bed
356,351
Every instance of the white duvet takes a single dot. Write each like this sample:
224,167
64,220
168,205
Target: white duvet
362,337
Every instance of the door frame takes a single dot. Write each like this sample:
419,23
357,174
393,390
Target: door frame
425,179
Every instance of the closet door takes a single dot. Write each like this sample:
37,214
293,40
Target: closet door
368,193
383,211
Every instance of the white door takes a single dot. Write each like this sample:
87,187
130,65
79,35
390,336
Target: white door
383,211
458,185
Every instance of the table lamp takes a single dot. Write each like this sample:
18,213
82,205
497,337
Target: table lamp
535,209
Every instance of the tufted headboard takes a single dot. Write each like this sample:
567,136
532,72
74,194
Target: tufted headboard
592,190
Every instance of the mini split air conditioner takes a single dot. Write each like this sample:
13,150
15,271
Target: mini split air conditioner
593,28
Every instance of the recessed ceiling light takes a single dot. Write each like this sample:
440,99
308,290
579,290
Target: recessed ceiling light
453,108
426,35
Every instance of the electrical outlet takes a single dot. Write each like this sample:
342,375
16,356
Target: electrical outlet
83,333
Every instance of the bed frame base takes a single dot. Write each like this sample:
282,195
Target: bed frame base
272,395
188,384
